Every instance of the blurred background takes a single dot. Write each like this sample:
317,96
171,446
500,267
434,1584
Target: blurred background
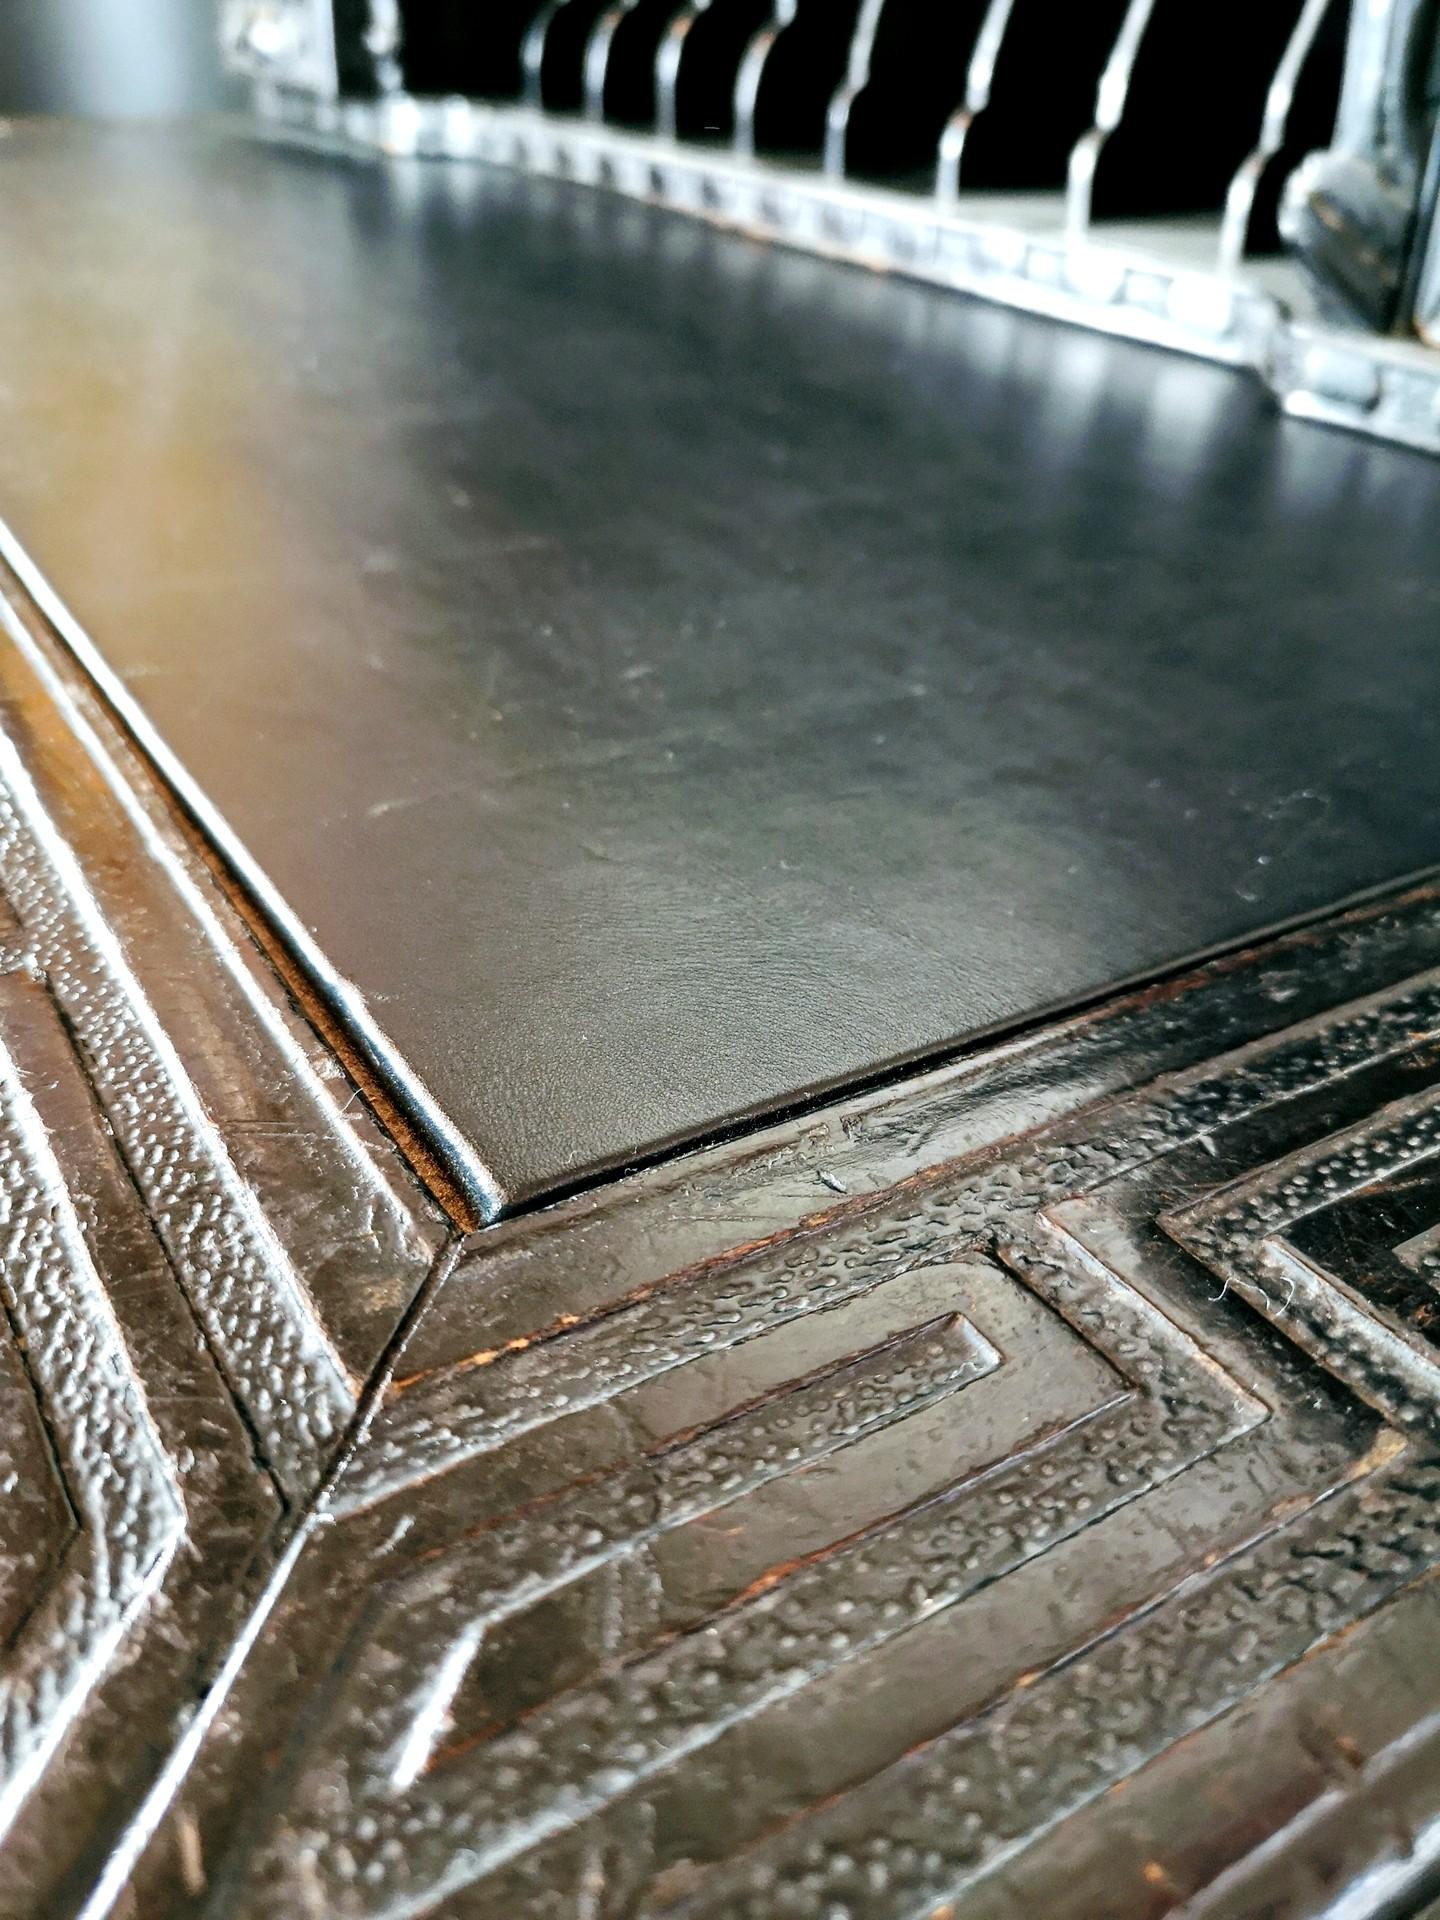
108,56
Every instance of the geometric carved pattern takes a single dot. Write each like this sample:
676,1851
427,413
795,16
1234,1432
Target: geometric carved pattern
181,1362
238,1279
833,1567
1009,1492
127,1507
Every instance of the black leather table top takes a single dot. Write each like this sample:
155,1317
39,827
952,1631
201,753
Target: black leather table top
664,678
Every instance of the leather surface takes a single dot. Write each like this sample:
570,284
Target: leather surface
667,678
